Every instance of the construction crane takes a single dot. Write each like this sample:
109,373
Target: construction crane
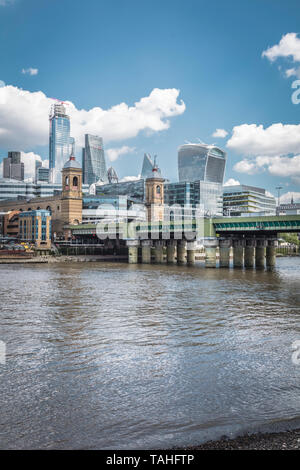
60,101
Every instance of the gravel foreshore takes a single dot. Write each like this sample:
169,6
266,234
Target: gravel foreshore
288,440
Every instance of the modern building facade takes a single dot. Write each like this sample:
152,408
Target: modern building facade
35,227
61,145
93,160
201,162
202,195
243,200
13,168
293,208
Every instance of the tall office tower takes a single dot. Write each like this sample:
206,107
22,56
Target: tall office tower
61,145
201,162
93,160
13,168
147,167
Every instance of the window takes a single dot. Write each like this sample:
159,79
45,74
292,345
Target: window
158,189
75,181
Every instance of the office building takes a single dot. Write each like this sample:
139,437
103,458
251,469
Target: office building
42,175
204,195
13,168
201,162
61,145
93,160
243,200
35,227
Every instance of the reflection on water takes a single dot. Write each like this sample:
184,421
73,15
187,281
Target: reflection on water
119,356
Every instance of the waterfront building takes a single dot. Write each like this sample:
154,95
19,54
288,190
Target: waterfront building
206,196
13,189
61,145
93,160
155,196
201,162
13,168
243,200
35,227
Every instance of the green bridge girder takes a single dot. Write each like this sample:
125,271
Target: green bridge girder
207,227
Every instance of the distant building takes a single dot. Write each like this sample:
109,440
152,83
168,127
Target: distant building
35,227
61,145
133,189
13,168
112,176
42,175
147,167
201,162
292,208
93,160
242,200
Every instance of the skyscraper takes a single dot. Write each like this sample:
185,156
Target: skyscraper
93,160
13,168
147,167
61,145
201,162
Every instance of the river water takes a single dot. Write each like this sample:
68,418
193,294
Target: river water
103,356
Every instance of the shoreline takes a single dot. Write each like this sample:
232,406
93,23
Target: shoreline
284,440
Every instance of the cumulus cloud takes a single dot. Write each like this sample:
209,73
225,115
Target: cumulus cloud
24,117
277,139
29,159
293,72
220,133
276,165
232,182
289,46
114,153
30,71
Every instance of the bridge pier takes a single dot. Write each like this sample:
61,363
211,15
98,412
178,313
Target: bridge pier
224,250
210,252
146,251
238,253
271,253
260,253
191,250
249,252
181,251
133,246
158,251
171,250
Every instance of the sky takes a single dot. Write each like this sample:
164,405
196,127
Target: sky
150,76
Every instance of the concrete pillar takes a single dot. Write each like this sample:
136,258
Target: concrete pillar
260,253
249,252
210,246
238,253
271,253
158,251
146,251
181,251
191,251
171,249
224,249
133,246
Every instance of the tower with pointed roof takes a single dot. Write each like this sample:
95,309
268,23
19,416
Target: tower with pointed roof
155,195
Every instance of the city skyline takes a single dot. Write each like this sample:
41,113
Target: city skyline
181,94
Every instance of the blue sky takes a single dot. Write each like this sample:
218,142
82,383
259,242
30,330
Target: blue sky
96,53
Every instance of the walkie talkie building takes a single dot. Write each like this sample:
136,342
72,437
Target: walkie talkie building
201,162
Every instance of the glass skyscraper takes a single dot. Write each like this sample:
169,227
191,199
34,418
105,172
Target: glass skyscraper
61,145
201,162
93,160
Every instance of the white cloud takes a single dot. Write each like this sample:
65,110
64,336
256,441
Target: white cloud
286,198
293,72
289,46
130,178
246,166
114,153
220,133
277,139
30,71
29,160
24,117
232,182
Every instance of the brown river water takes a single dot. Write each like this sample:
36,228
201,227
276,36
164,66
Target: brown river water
109,355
